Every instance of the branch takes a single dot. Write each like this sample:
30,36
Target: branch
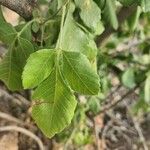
123,14
24,131
15,120
23,7
117,101
138,128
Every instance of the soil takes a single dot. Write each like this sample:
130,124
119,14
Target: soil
118,131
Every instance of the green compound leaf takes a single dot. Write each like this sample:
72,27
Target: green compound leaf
12,65
56,106
38,67
79,73
54,102
90,13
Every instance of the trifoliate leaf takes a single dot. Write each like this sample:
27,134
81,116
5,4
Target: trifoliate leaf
39,66
78,71
11,66
54,104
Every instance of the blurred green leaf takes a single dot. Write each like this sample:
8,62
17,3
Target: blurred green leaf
7,33
35,27
94,105
145,59
128,78
75,39
109,13
100,3
12,64
127,2
26,34
134,19
147,90
51,31
82,137
2,19
145,4
90,13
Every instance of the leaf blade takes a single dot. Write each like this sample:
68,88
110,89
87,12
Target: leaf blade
12,64
110,13
75,39
79,73
58,113
147,90
128,78
90,13
38,67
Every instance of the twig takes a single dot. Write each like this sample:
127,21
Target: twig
17,99
96,133
141,136
106,127
4,93
13,119
120,123
114,103
137,127
112,92
24,131
97,127
10,118
116,120
22,99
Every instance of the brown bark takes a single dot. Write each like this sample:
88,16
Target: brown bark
23,7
